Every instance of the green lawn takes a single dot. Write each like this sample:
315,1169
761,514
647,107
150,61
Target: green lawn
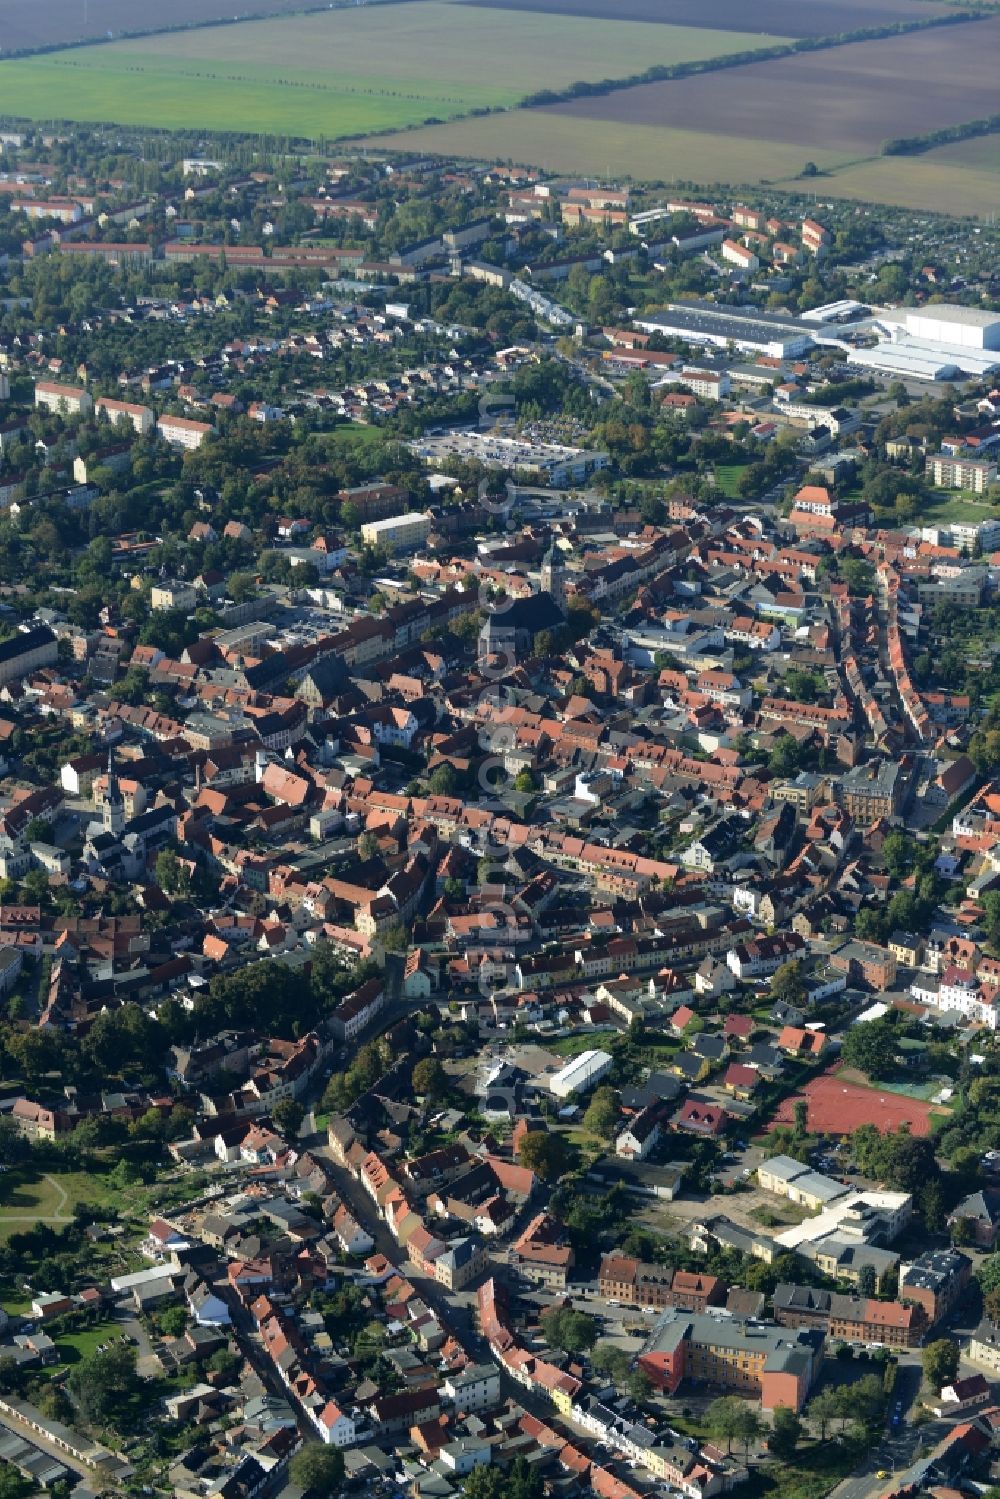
572,1046
954,505
74,1346
727,476
347,72
29,1197
355,435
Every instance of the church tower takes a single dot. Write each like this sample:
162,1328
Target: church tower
114,805
553,576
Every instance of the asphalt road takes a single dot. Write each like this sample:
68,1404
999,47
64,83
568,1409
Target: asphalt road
898,1447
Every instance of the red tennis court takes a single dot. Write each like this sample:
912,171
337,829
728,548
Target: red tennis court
837,1108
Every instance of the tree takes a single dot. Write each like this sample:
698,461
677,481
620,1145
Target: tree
786,1433
990,902
171,876
367,847
611,1360
867,1282
14,1148
988,1274
443,780
749,1428
318,1469
601,1117
520,1481
287,1116
870,1047
640,1386
786,985
485,1483
823,1409
225,1363
572,1331
173,1321
723,1419
105,1386
12,1485
524,781
991,1305
546,1154
800,1114
940,1362
858,575
429,1078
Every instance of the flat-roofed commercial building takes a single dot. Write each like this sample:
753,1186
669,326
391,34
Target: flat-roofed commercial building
718,325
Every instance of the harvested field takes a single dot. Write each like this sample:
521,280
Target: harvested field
848,99
789,17
346,72
982,153
961,179
837,1108
28,23
566,143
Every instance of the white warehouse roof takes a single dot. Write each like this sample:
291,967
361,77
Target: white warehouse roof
915,361
973,326
579,1072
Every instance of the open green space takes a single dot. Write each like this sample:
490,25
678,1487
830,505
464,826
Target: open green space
954,505
355,435
29,1197
727,477
346,72
74,1346
572,1046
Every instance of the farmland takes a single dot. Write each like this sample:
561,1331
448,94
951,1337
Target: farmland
787,17
345,72
963,178
26,23
838,106
569,143
847,99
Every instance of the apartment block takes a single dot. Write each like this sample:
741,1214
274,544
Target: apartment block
401,533
976,474
635,1283
850,1318
73,400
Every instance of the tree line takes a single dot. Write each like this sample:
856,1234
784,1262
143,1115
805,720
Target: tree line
915,145
662,72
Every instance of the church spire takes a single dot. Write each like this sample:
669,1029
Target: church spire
114,805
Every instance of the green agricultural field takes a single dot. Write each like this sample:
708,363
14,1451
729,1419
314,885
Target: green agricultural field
346,72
